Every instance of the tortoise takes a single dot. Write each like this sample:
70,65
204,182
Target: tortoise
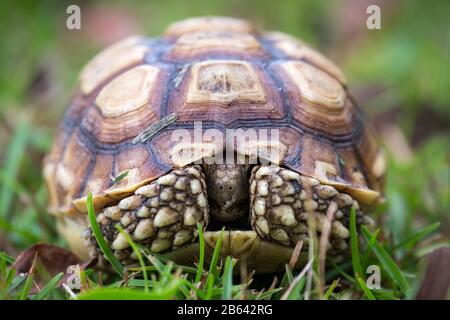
276,147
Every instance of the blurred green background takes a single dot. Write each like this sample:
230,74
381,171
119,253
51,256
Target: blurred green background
400,75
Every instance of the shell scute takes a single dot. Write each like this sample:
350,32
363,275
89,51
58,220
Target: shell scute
111,60
192,46
225,91
198,24
296,49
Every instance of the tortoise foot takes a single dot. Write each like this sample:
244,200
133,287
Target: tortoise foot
283,201
161,216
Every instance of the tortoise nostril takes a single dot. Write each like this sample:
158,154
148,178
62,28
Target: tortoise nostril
230,188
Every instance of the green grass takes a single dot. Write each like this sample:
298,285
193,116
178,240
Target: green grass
100,240
227,279
156,278
388,263
404,63
15,151
356,261
49,287
137,251
201,259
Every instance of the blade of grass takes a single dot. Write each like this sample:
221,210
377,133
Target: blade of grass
138,254
365,289
199,294
227,279
160,257
5,280
288,274
17,281
20,232
383,294
202,253
216,292
26,287
330,289
285,280
176,266
9,277
136,283
215,256
2,267
343,273
333,273
119,178
156,262
268,294
166,273
388,263
14,154
312,252
418,235
292,292
15,187
283,284
183,292
356,261
48,287
131,294
209,286
369,247
297,289
6,257
99,237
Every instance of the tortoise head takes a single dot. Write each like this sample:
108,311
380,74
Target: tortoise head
227,190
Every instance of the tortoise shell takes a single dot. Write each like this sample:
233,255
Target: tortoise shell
220,71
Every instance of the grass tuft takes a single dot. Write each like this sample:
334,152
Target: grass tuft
365,289
49,287
356,260
415,237
201,259
138,254
14,154
100,240
227,279
387,263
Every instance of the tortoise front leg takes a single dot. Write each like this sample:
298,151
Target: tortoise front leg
281,200
161,216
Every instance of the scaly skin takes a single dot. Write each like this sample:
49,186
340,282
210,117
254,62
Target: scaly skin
162,215
281,201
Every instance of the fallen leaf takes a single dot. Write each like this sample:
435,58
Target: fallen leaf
45,261
436,282
53,258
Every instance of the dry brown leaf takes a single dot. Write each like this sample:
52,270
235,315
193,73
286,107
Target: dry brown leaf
436,282
50,260
53,258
